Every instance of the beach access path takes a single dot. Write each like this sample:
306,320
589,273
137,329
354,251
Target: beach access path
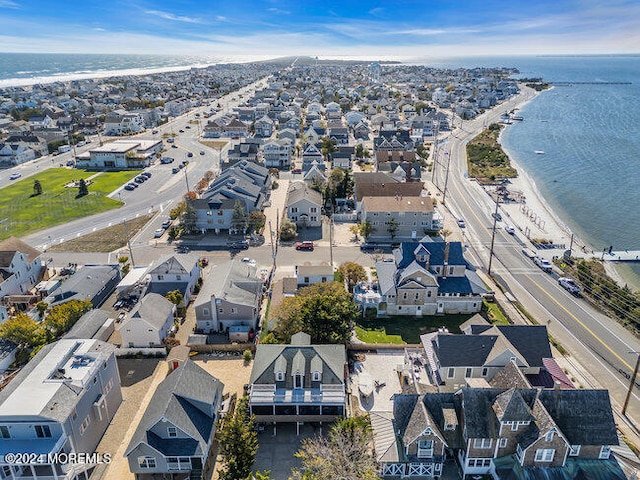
597,344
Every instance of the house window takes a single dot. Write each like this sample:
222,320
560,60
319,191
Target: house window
108,386
451,373
574,451
479,462
146,462
178,277
316,376
306,279
482,443
468,372
172,432
4,432
85,424
313,209
485,370
221,310
450,270
294,209
425,448
234,310
549,436
429,293
417,295
404,296
503,442
279,376
545,454
205,311
298,380
74,414
605,452
220,212
160,277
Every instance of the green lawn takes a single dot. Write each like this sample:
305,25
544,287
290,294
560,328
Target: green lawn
405,329
21,213
493,313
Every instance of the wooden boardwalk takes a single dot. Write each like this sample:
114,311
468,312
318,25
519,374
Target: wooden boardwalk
622,256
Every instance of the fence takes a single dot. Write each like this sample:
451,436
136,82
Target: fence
146,352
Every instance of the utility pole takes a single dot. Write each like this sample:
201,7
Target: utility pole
446,178
436,124
186,179
126,234
632,382
273,246
331,241
493,234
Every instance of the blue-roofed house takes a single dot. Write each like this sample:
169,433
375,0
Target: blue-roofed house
174,436
428,278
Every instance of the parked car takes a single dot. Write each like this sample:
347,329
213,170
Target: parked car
461,223
175,170
69,163
174,146
154,131
201,152
170,140
497,216
158,232
190,154
166,224
296,170
15,175
569,285
306,245
140,179
181,131
510,230
529,253
128,186
145,174
238,245
544,265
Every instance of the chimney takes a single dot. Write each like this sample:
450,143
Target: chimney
557,385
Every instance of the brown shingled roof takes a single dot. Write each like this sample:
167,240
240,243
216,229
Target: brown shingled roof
410,189
13,244
398,204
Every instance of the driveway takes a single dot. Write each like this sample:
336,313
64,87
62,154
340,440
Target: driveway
277,453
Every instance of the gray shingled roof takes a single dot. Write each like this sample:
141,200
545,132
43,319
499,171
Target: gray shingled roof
270,358
189,398
153,308
235,281
89,324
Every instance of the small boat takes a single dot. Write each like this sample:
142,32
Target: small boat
517,119
365,384
539,152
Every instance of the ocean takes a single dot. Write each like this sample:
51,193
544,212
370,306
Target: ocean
590,133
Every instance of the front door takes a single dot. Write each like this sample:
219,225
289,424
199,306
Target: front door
440,307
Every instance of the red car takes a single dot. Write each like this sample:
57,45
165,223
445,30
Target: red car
304,245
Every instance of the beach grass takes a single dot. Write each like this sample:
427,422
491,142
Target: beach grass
22,212
486,159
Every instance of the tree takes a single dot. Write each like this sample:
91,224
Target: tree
175,297
352,273
62,317
82,188
355,230
444,233
257,220
188,218
288,230
392,227
324,310
238,444
328,146
37,188
239,220
366,229
344,453
22,330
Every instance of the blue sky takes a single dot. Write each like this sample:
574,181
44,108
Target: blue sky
351,27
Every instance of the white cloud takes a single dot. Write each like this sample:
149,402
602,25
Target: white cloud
8,4
279,11
173,17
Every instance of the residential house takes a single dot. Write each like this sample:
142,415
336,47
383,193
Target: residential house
394,145
263,127
298,383
230,297
20,271
148,323
277,153
177,429
304,205
27,140
213,129
341,160
235,128
120,155
40,121
245,181
361,131
428,278
483,351
122,122
96,324
90,282
62,401
380,184
241,151
309,274
12,154
340,135
8,351
174,272
288,134
507,433
398,217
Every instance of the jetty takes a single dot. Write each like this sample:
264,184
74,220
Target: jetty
621,256
568,84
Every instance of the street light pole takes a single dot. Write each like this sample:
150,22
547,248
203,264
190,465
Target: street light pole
446,178
186,178
493,234
126,234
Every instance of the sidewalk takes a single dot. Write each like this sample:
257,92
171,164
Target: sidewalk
278,205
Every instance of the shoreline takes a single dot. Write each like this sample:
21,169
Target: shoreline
546,222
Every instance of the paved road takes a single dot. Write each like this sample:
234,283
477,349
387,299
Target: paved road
160,193
597,342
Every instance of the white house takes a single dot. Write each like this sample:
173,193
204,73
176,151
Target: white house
148,323
15,154
174,272
20,269
304,205
308,274
277,153
121,122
